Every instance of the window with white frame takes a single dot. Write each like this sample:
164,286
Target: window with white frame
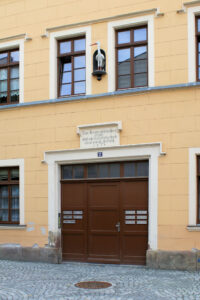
143,28
12,192
72,76
12,72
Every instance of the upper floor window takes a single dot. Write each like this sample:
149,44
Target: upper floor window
198,47
9,77
72,67
9,195
132,57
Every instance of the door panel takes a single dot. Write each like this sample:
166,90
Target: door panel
74,221
134,221
103,215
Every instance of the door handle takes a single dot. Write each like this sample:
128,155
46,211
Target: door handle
118,226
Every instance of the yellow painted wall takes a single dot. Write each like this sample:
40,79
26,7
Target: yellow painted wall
171,116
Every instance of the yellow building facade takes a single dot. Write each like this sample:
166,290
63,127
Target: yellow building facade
150,113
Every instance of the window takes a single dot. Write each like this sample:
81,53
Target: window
198,189
132,57
9,77
106,170
9,195
198,48
72,67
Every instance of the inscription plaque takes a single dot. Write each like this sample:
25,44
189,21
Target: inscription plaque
99,135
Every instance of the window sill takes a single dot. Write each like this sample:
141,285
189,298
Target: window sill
10,226
193,228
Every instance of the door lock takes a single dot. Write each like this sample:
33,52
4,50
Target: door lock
118,226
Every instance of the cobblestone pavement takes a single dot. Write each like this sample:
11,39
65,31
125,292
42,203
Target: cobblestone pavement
36,281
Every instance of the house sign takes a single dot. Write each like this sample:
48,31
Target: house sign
99,135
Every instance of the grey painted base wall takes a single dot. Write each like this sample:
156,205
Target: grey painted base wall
174,260
32,254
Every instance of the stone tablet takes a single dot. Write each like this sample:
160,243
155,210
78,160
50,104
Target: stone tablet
99,135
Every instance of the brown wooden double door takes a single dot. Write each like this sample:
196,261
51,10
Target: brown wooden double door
105,221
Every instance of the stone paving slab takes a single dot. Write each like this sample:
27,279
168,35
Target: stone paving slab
39,281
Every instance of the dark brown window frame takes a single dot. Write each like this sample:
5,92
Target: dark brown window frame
131,45
198,188
9,183
197,37
8,65
72,54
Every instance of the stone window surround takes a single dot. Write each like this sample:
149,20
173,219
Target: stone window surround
126,23
64,34
8,45
55,159
193,226
16,163
192,13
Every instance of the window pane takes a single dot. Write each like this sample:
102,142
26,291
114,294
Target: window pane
140,79
3,86
140,34
4,215
3,97
65,47
79,87
14,84
67,67
3,197
3,203
3,74
199,72
198,25
67,172
79,75
15,191
3,192
140,66
14,72
14,96
114,170
3,175
92,171
199,199
129,169
143,168
124,37
15,215
14,56
124,82
67,77
14,174
140,52
3,58
198,46
78,172
124,55
66,89
79,45
15,203
103,170
79,62
124,68
15,196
